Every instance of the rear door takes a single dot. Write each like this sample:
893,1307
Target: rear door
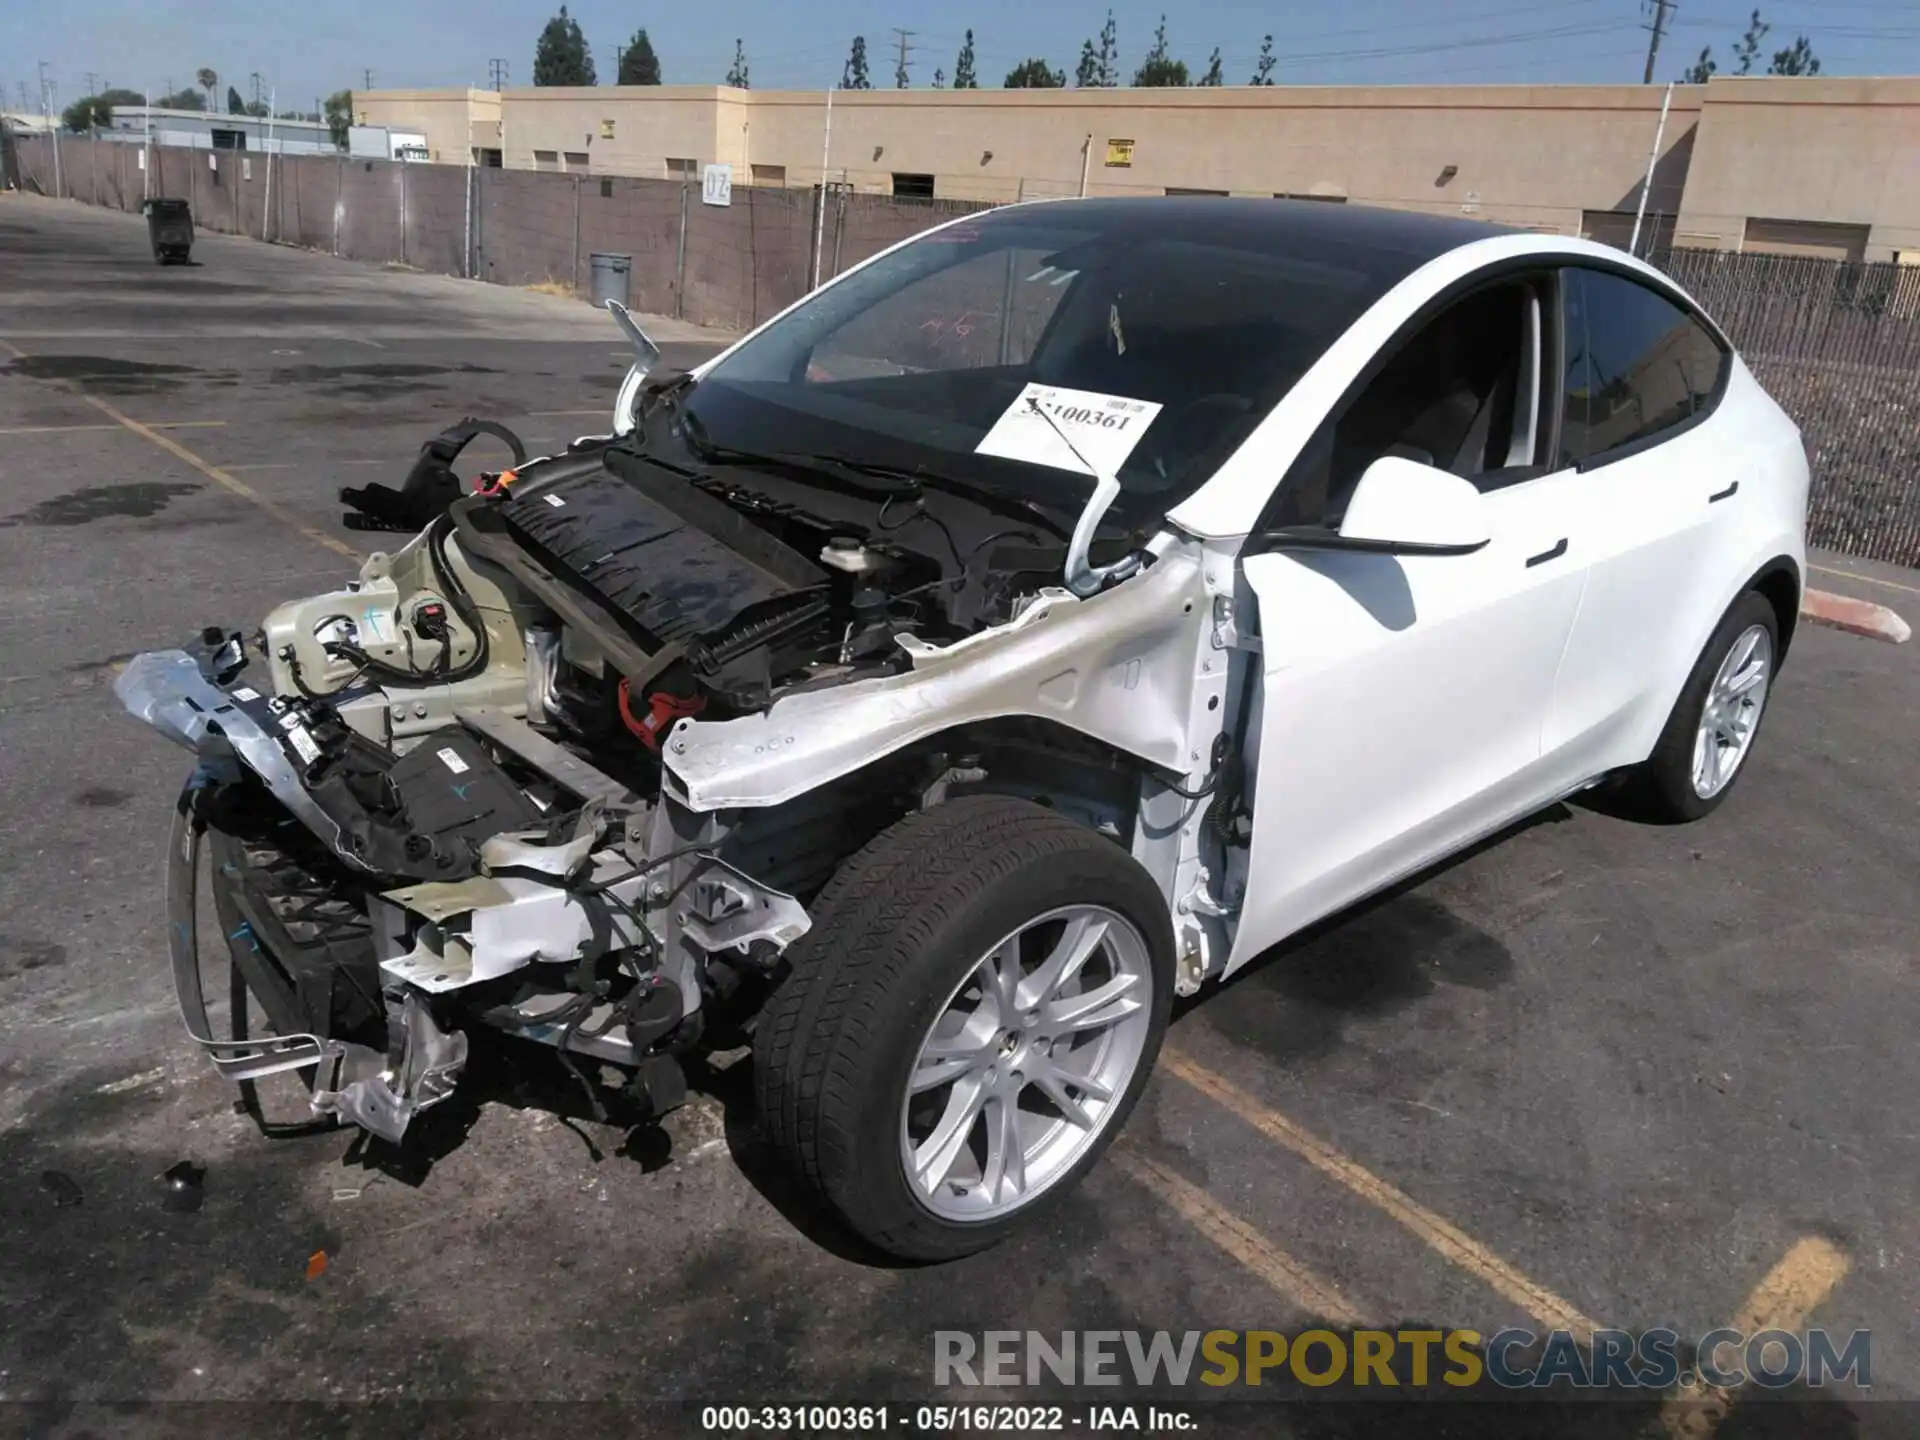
1659,483
1402,697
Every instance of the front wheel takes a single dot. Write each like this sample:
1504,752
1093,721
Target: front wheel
967,1025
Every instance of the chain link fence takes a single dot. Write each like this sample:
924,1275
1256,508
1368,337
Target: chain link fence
1837,343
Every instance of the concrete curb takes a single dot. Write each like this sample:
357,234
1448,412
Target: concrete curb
1856,617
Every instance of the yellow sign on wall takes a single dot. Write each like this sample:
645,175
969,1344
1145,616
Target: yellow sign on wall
1119,153
606,129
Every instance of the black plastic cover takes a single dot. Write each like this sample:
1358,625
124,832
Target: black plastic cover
678,563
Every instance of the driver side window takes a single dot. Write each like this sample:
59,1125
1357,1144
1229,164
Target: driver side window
1461,394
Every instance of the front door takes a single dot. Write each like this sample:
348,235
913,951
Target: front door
1402,698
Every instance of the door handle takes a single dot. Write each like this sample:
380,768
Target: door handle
1723,494
1545,555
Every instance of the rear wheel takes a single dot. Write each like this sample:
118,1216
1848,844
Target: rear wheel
967,1025
1710,734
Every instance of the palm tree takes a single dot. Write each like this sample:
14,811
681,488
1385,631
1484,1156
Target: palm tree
207,80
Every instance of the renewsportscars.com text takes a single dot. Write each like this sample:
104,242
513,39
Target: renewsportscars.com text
1513,1359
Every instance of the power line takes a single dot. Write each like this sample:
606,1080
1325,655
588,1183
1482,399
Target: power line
1661,8
900,78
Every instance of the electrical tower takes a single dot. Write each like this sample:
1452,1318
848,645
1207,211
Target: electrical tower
900,77
369,84
497,74
1661,10
256,89
92,89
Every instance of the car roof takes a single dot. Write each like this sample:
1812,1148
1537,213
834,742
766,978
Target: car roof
1376,247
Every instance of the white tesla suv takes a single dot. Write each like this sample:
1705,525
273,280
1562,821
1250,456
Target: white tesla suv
1039,621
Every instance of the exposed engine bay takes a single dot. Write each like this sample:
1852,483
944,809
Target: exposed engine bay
574,760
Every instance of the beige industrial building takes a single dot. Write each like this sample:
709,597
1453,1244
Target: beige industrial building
1827,166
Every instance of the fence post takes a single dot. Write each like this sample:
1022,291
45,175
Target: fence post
574,279
403,210
680,261
339,198
93,164
839,225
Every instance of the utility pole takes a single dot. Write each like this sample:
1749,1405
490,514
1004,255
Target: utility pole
900,68
1662,9
256,89
369,84
497,74
92,89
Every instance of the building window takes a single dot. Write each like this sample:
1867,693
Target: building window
678,169
606,189
912,187
1183,190
546,159
229,139
577,160
492,159
769,174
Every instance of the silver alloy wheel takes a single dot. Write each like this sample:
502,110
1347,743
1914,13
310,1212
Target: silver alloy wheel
1732,711
1026,1063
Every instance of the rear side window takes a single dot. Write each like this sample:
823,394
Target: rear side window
1637,365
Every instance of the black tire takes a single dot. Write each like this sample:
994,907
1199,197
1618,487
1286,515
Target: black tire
895,932
1661,788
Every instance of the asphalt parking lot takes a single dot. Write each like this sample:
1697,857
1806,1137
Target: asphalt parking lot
1597,1073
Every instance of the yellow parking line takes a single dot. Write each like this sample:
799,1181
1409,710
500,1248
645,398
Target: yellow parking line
1451,1243
1784,1300
1283,1274
151,425
1866,579
212,472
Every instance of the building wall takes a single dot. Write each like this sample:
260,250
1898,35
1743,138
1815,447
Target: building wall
1564,158
1842,152
454,121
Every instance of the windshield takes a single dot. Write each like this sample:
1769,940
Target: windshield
1174,326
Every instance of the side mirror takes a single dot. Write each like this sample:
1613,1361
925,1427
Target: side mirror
1405,508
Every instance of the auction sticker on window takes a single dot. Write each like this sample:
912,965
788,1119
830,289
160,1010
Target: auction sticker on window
1103,428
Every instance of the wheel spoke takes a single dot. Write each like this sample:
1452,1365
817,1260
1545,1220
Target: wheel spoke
939,1066
1093,1010
934,1157
1743,652
1745,680
1000,977
1005,1173
1053,1082
1082,937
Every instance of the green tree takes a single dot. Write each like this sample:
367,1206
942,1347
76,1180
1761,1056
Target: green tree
182,100
737,75
1748,50
1157,68
854,75
638,64
1798,59
1099,64
1702,70
207,80
561,57
95,112
339,113
235,105
1263,67
1035,75
963,76
939,78
1213,76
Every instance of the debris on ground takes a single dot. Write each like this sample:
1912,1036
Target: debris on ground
316,1264
185,1182
63,1187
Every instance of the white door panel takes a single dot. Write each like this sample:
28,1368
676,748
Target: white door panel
1402,706
1655,564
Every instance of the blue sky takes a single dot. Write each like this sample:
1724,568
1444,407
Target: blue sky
307,48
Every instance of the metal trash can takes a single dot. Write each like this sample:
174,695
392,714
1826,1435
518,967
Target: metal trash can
610,277
170,228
